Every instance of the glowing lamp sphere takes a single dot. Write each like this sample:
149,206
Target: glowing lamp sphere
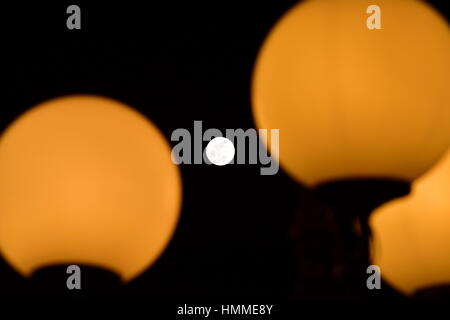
86,179
412,238
352,102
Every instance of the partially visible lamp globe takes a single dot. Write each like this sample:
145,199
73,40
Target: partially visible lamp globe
362,113
86,180
412,234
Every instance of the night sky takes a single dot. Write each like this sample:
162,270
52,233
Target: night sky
176,63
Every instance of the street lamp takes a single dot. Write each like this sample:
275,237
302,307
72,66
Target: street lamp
86,180
362,112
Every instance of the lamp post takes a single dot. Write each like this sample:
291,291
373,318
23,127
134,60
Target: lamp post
85,180
353,202
362,113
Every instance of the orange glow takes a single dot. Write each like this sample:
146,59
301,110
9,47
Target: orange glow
352,102
88,180
412,238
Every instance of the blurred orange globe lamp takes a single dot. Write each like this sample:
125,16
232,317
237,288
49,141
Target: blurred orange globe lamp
411,235
351,102
86,179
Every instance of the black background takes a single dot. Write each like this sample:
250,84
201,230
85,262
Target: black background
176,63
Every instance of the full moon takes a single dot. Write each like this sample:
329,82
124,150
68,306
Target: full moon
220,151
